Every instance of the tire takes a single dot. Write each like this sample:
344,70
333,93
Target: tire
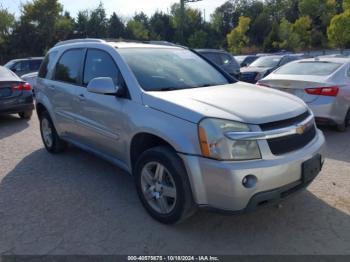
26,114
51,140
342,127
170,209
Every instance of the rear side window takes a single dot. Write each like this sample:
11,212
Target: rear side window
68,66
47,64
317,68
225,59
21,66
34,65
99,64
213,57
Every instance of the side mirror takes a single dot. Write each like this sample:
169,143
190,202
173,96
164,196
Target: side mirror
103,86
243,64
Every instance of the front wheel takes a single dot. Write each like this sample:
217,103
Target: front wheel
162,185
342,127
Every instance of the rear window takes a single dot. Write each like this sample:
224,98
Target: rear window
317,68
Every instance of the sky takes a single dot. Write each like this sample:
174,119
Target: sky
125,8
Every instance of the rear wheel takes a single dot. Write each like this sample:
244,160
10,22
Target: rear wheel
26,114
162,185
51,140
342,127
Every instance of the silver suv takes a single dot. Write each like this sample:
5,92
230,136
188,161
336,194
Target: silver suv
188,133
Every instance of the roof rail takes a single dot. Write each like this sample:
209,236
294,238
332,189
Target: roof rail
72,41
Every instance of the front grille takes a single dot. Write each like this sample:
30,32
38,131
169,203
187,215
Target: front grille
286,144
285,122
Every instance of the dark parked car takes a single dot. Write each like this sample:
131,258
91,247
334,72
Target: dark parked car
245,60
25,65
223,59
16,96
264,65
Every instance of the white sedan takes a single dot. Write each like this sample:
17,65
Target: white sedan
322,83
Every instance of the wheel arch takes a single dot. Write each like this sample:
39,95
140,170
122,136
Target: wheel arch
143,141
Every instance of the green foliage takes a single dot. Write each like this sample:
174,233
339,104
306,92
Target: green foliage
339,30
7,22
239,25
116,27
346,5
237,39
137,30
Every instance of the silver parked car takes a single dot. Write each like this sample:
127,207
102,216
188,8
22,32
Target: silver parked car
190,135
323,84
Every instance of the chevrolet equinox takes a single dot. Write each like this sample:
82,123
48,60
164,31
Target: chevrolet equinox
190,135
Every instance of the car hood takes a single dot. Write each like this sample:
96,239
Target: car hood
239,102
255,69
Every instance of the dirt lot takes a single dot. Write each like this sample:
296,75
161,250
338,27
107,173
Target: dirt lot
75,203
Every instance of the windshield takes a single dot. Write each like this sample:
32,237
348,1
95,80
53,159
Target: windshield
266,61
9,64
317,68
164,69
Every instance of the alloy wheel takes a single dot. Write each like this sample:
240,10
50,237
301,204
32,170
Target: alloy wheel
158,187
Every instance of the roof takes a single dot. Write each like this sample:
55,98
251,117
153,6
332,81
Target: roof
342,60
119,43
210,50
27,58
141,45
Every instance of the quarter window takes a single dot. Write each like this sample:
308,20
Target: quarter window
99,64
68,67
47,64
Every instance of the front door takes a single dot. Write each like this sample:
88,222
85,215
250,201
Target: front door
101,117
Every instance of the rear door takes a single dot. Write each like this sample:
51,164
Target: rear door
62,91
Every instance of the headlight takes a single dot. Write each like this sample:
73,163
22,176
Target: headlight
215,144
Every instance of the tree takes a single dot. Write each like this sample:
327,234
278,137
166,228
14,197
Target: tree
43,14
98,23
116,27
339,30
198,39
64,27
161,27
301,31
81,25
237,39
7,23
137,30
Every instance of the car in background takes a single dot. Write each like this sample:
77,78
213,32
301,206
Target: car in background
25,65
30,78
245,60
264,65
323,84
16,96
223,59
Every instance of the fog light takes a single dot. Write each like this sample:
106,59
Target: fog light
249,181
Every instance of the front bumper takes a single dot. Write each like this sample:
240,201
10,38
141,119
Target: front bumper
328,110
218,184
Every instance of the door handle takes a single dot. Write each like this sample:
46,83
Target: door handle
81,98
52,87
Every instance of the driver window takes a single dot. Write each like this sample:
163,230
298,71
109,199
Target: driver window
99,64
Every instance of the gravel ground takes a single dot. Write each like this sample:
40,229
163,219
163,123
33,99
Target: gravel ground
75,203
